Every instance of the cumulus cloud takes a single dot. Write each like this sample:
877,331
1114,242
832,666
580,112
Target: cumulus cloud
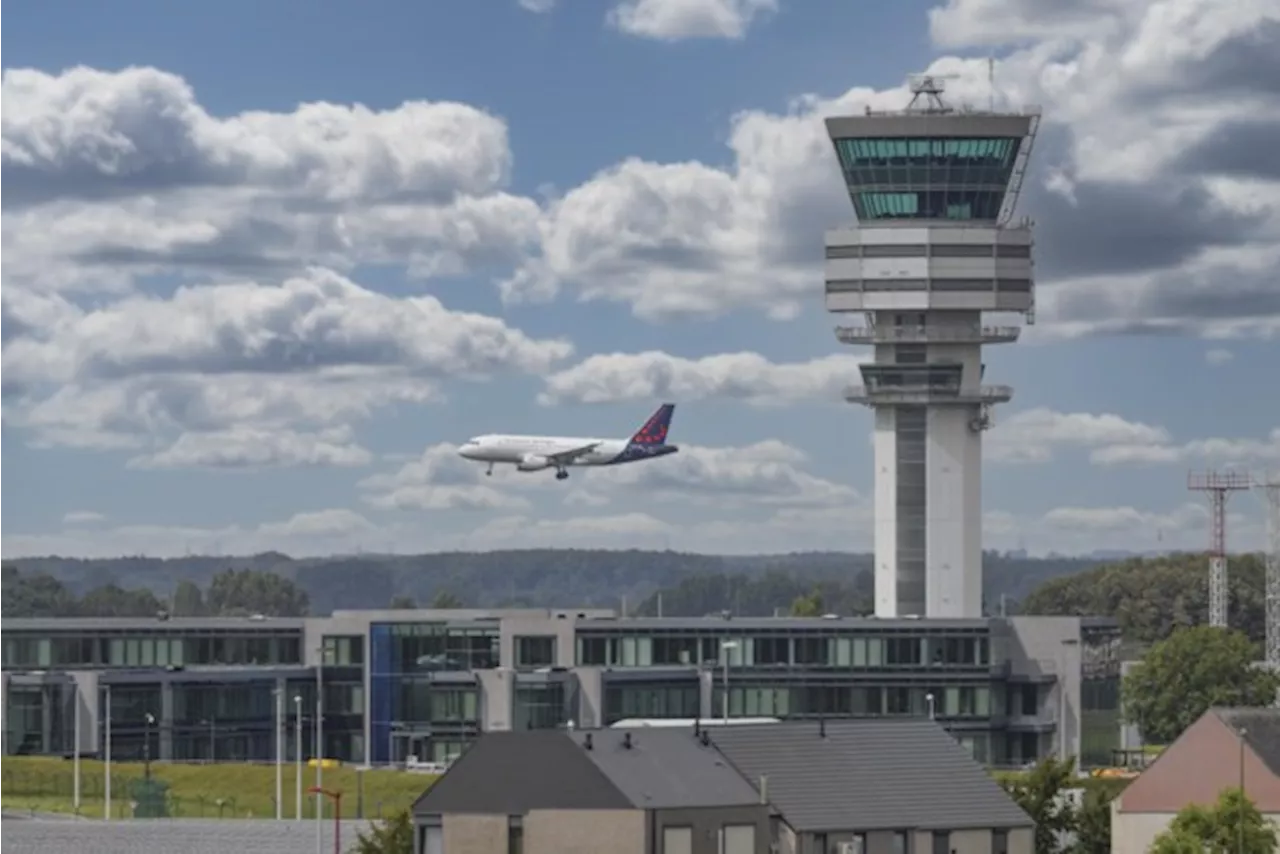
654,374
110,176
764,473
1032,436
1134,233
230,363
674,20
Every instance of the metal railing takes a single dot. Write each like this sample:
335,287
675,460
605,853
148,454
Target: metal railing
985,394
925,334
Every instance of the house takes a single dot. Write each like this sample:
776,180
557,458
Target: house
656,791
1225,748
874,785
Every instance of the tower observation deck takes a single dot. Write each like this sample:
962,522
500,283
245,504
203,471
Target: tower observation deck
934,189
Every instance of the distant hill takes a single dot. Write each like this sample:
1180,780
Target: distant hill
691,584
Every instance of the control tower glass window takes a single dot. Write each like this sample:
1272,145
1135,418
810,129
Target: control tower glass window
924,178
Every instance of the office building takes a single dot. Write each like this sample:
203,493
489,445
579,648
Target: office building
934,191
426,683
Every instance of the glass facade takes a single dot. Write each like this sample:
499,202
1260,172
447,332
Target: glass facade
813,649
656,699
927,178
414,672
540,706
176,648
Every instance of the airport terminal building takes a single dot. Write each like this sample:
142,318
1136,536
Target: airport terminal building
424,683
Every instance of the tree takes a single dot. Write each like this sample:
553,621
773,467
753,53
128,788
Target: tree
393,836
188,601
35,595
809,605
1233,825
114,601
1040,794
401,602
1093,819
444,600
249,591
1180,678
1153,597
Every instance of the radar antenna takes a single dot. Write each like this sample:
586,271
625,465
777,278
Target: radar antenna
929,87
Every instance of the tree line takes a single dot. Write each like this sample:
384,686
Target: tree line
547,578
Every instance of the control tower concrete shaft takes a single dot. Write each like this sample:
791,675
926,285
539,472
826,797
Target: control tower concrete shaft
934,190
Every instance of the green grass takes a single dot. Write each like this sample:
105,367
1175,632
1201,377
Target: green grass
245,791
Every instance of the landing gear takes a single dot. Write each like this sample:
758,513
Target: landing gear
561,474
489,471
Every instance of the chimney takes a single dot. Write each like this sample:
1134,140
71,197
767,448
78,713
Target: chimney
586,742
706,738
764,789
626,741
697,727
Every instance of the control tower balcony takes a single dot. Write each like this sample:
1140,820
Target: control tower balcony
936,334
986,395
938,383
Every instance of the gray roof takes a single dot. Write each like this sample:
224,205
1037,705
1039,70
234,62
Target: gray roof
1262,732
868,774
172,624
507,772
781,624
514,772
38,835
666,768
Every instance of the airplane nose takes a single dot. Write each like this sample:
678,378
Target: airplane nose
467,451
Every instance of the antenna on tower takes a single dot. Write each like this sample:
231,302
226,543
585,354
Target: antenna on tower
991,83
1219,485
1270,487
929,87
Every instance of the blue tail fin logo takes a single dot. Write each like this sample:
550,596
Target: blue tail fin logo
654,431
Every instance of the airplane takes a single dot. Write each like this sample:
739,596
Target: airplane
535,453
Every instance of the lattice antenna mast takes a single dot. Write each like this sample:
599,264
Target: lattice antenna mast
1219,486
1269,486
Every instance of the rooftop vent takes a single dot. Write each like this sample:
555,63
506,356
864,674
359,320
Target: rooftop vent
586,741
626,741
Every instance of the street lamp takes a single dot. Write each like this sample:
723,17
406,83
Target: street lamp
146,746
106,754
725,648
279,697
336,796
928,700
319,757
297,756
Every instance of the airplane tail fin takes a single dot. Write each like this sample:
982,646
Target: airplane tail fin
654,431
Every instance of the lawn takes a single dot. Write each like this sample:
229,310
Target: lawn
227,789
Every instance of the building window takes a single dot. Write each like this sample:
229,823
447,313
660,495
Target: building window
535,650
738,839
677,840
899,842
942,842
1000,841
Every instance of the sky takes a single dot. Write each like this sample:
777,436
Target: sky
266,265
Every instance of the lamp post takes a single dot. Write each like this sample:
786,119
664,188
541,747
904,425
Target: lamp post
279,692
297,756
75,743
928,700
336,796
146,746
319,757
725,648
106,754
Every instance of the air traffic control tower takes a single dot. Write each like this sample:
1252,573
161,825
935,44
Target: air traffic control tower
934,190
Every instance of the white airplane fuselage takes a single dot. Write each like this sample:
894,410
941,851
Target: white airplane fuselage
529,450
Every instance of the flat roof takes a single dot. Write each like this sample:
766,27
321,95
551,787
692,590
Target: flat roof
95,624
781,623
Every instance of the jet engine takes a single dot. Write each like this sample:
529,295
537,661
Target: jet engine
533,462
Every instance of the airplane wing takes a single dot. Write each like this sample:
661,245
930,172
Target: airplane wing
563,458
